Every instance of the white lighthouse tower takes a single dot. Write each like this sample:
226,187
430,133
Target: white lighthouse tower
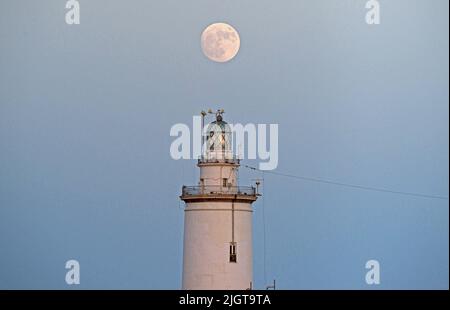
218,218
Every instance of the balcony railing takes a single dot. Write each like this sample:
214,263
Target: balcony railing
219,157
218,190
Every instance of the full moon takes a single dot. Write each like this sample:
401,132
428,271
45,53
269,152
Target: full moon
220,42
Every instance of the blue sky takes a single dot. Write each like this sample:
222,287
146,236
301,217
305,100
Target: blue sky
86,110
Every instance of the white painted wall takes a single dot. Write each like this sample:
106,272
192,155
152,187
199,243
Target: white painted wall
213,174
207,237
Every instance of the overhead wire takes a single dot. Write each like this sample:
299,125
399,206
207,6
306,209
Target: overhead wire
349,185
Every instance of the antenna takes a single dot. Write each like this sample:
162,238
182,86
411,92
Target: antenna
257,182
250,287
203,113
268,287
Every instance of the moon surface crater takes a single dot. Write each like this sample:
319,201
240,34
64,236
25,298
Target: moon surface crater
220,42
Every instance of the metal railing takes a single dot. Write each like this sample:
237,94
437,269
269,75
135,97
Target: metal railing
218,190
211,158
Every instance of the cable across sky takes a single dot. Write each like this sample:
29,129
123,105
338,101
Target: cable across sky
348,185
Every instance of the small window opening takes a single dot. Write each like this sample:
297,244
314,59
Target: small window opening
233,258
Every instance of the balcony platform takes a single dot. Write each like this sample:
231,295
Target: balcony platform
218,193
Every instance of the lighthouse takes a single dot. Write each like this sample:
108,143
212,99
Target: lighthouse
217,251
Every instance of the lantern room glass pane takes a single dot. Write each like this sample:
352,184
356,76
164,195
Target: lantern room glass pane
219,141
